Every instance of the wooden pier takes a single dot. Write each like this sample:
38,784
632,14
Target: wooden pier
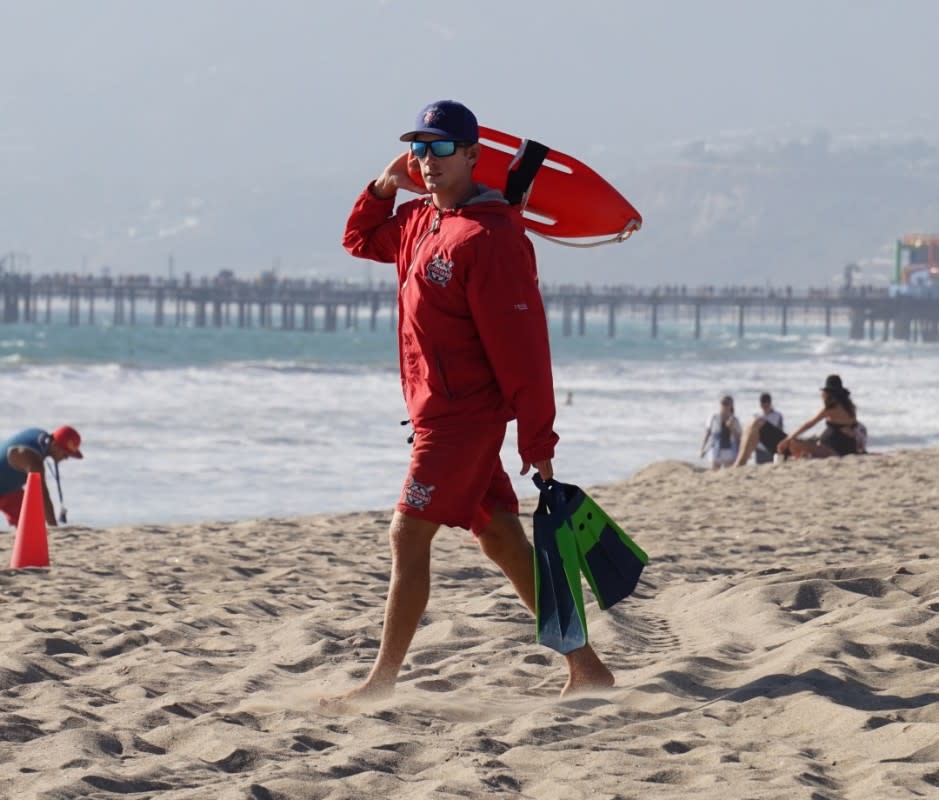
325,305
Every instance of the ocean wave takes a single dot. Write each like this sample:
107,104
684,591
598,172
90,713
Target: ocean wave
187,422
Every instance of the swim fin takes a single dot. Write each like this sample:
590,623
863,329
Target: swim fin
610,560
561,621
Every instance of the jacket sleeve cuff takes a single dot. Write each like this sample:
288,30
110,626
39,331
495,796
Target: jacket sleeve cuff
539,452
370,191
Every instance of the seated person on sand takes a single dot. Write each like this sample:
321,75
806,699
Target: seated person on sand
764,454
840,437
762,435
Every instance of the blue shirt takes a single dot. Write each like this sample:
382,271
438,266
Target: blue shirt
34,439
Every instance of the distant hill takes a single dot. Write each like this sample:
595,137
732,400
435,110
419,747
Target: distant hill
794,213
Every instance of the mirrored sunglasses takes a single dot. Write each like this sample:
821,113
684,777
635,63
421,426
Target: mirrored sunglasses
441,148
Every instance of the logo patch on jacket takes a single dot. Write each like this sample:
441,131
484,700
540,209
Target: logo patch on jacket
416,495
439,271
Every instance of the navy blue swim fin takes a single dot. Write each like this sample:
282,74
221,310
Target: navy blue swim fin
561,622
610,560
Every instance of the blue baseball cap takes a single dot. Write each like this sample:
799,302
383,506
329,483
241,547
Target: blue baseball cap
446,118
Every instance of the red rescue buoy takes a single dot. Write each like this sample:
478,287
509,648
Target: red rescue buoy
566,199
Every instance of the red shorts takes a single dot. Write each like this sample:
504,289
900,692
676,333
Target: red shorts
10,504
456,477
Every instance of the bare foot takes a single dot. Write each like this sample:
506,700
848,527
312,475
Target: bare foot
587,673
366,693
577,685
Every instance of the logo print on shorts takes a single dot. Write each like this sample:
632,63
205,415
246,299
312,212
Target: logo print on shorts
439,271
417,495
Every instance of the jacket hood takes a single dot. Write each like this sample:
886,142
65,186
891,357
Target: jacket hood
486,200
485,195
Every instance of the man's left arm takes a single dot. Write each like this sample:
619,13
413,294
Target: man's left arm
509,313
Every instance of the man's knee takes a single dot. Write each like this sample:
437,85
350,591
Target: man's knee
410,538
503,535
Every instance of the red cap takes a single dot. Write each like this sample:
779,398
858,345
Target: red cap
68,439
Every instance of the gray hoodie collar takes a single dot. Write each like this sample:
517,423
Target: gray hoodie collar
485,195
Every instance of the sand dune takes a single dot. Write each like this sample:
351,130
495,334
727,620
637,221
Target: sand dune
783,643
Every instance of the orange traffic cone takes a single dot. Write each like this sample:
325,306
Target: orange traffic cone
31,548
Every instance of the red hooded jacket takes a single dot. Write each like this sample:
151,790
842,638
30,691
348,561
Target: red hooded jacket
472,332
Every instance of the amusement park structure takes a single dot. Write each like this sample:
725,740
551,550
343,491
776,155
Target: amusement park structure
917,266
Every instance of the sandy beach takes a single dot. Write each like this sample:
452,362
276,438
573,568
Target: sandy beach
783,643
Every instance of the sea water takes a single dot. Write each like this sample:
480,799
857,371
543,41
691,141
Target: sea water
187,424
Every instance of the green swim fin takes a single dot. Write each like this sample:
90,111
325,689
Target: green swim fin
610,560
559,599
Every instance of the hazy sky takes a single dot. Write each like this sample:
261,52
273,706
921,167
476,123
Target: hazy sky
176,91
229,85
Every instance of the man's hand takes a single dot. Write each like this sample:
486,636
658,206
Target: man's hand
545,469
396,176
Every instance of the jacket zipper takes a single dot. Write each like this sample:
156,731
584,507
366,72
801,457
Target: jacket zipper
434,226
